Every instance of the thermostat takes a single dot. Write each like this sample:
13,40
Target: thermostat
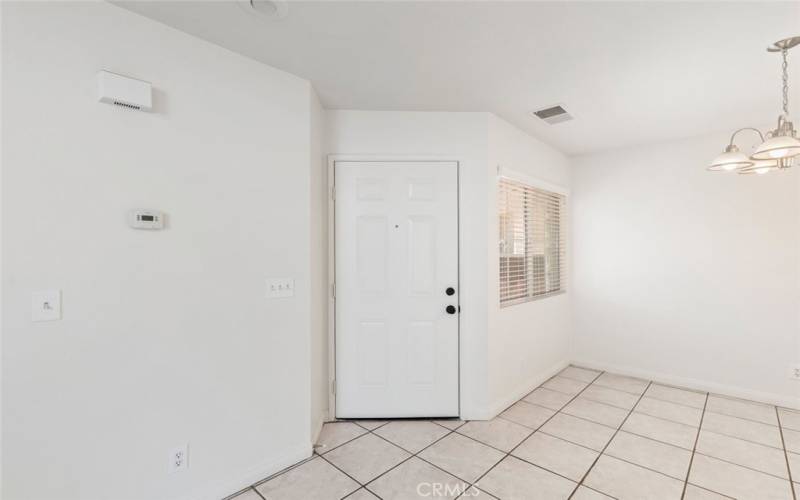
146,219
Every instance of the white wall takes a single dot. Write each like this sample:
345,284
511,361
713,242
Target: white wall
460,136
166,337
528,342
684,275
319,270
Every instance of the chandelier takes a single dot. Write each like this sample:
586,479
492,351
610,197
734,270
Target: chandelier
778,148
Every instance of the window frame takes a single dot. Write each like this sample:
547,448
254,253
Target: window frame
544,189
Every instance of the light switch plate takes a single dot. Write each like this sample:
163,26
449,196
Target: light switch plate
280,287
46,305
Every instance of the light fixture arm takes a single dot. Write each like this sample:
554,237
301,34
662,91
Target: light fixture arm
733,136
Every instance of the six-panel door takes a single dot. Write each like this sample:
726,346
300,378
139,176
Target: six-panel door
396,254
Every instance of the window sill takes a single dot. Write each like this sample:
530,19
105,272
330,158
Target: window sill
535,298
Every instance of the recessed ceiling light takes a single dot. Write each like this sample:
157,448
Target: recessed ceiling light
266,9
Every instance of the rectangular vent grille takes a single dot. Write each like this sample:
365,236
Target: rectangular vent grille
553,114
126,105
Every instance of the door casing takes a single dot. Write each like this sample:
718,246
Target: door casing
332,160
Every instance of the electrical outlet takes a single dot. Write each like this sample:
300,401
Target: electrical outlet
794,372
179,458
280,287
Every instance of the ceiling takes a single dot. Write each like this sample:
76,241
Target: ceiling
629,72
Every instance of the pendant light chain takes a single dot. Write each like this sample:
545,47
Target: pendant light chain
785,53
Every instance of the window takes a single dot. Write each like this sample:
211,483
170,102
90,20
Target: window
532,242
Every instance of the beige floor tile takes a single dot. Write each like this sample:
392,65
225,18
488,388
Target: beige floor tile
794,465
675,395
756,456
613,397
669,411
556,455
742,429
416,479
742,409
736,481
362,494
622,383
565,385
661,457
335,433
366,457
584,493
790,419
451,424
596,412
513,479
579,431
627,481
248,494
370,424
696,493
548,398
578,373
502,434
314,479
529,415
792,440
661,430
461,456
411,435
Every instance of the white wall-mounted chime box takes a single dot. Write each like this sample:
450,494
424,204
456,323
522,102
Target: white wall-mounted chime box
142,218
124,91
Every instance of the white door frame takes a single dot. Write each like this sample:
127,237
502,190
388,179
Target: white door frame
332,160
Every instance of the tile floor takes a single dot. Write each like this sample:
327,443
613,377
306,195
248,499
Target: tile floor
583,435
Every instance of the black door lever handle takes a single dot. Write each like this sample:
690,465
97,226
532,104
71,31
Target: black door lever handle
450,309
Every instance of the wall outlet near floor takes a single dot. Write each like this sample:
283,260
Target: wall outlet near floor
179,458
794,372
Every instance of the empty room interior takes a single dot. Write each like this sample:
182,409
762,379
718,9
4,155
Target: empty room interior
322,250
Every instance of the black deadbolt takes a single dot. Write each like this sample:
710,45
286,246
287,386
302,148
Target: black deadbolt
451,309
450,290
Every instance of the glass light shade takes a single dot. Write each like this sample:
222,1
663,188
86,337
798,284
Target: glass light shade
730,160
782,146
760,167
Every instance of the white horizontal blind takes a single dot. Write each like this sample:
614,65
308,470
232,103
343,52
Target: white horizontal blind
532,242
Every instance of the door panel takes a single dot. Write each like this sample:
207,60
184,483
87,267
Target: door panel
396,244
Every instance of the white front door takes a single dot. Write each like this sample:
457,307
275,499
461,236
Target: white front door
396,247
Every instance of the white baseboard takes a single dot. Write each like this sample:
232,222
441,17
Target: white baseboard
498,406
698,385
316,427
225,488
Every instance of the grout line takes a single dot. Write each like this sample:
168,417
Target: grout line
664,419
742,418
283,471
786,454
507,454
609,441
742,439
359,483
694,448
259,493
740,465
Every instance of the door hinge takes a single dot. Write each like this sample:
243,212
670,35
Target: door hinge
333,193
333,290
333,387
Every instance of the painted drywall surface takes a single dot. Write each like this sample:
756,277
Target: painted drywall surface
685,275
528,342
166,337
318,269
459,136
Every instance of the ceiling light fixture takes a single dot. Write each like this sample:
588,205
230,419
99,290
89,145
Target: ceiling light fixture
779,147
266,9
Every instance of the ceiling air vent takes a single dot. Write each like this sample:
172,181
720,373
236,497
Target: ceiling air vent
553,114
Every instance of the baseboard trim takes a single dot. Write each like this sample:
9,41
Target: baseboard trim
696,384
500,405
226,488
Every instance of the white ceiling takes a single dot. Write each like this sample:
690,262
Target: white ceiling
630,72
